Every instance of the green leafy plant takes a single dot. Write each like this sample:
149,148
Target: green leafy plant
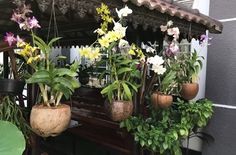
53,81
163,131
12,141
123,73
122,58
190,64
11,112
167,82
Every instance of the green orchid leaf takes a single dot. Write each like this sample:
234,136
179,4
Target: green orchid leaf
64,82
132,85
41,76
74,67
65,71
127,91
53,41
125,62
61,88
123,70
12,141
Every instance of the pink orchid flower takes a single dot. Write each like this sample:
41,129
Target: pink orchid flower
10,38
33,23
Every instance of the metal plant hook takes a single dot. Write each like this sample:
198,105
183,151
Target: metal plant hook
190,32
53,19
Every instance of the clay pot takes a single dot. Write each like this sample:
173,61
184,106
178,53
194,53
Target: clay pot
119,110
50,121
189,90
161,100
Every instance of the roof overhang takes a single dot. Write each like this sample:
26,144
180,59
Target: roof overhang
176,10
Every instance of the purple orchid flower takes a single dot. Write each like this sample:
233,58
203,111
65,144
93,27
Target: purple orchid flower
10,38
33,23
171,50
203,39
16,17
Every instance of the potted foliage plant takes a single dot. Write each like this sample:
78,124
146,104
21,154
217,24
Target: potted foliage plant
121,88
166,82
165,129
50,117
121,63
190,64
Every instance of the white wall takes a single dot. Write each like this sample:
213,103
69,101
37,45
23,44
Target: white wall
203,6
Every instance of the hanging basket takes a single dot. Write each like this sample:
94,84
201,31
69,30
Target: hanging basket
50,121
161,100
11,86
189,90
119,110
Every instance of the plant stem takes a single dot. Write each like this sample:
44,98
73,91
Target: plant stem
143,83
58,98
44,93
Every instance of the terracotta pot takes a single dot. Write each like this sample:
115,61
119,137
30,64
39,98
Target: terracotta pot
189,90
161,100
119,110
50,121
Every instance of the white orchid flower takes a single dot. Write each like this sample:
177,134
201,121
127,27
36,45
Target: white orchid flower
156,60
159,69
169,23
124,12
119,28
143,46
148,49
123,44
163,28
99,31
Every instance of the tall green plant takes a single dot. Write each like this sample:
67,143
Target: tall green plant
190,64
53,82
167,83
123,74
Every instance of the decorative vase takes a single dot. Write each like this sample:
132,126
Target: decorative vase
161,100
50,121
11,86
119,110
189,90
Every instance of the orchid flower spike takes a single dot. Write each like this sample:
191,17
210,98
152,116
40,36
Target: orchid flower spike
124,12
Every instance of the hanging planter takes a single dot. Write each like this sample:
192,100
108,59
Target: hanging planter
11,86
119,110
161,100
50,121
189,90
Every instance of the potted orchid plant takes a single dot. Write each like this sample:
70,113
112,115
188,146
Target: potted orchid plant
50,117
191,64
121,63
163,67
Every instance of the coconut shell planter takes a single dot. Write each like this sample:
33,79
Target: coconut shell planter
161,100
50,121
189,90
119,110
